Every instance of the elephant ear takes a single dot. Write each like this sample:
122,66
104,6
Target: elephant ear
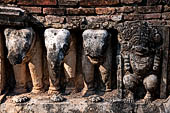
86,34
68,37
7,32
28,32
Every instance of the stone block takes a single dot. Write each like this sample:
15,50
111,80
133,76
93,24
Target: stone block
54,19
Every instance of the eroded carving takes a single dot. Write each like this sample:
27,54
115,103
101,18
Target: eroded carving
96,53
141,51
24,47
58,42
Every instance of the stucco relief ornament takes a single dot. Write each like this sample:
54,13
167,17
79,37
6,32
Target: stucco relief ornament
141,52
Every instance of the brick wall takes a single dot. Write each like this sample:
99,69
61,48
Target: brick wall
94,13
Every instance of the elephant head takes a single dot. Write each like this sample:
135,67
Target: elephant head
57,42
18,43
95,43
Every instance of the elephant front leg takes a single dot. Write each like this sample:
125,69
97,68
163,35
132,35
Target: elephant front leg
88,73
106,78
35,66
54,79
105,70
20,78
36,75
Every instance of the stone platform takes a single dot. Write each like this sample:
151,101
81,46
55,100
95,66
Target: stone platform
43,104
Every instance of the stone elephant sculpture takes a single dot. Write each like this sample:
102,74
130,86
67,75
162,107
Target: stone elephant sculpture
96,53
24,47
61,51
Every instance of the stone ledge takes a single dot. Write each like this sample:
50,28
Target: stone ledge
13,16
42,104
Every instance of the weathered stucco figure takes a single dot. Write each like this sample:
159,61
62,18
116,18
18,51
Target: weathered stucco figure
140,48
96,53
24,47
58,42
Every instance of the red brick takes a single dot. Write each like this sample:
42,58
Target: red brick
68,2
56,11
152,16
130,1
32,9
125,9
150,9
80,11
37,2
133,17
105,11
166,15
9,1
98,2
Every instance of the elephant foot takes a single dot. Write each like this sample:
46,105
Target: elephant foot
53,92
106,90
87,93
148,98
21,99
95,99
57,98
37,91
130,98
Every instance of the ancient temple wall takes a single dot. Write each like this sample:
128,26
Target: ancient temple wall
76,16
86,14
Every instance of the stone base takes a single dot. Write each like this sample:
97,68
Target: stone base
42,104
